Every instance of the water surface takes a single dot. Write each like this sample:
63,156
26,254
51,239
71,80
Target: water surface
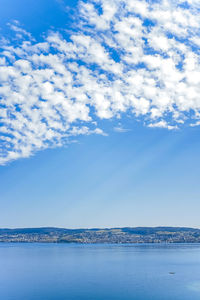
99,272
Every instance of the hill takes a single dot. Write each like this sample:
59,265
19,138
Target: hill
106,235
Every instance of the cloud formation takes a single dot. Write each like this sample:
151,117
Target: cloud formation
135,56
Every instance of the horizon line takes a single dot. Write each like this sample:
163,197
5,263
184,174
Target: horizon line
93,228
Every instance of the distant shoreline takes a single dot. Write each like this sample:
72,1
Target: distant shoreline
124,235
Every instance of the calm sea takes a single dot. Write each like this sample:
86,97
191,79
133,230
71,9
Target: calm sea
99,272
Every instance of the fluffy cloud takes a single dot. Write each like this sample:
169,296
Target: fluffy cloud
135,56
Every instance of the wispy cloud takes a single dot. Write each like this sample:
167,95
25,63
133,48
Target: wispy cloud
135,55
120,129
20,32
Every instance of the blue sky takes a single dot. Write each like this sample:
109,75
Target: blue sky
100,113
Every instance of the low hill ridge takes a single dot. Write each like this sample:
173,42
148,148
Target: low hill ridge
161,234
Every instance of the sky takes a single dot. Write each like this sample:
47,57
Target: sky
99,113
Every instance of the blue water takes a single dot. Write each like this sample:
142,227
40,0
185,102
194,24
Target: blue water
83,272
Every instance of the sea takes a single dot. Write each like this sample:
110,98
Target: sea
99,271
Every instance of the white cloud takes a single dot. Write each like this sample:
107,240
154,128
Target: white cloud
20,32
120,129
137,56
162,124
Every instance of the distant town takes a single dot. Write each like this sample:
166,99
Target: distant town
97,235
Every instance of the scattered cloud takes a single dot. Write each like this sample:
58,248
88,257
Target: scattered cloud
120,129
135,56
162,124
195,124
20,32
